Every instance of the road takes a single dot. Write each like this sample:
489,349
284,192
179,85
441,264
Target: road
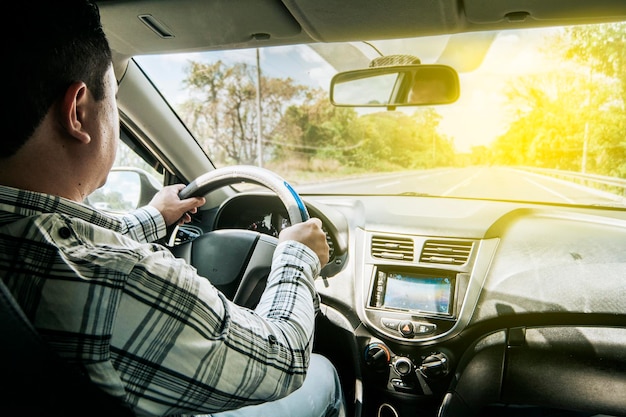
498,183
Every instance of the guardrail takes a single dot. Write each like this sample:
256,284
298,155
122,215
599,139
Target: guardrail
601,182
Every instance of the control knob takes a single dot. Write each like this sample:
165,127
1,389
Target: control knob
403,365
434,365
377,356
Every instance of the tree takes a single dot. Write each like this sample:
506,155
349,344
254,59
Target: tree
573,118
315,129
603,49
223,108
396,140
599,47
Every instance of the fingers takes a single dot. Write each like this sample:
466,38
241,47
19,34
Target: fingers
311,234
186,218
192,202
316,221
172,208
188,207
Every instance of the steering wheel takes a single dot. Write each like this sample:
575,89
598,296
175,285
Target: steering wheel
236,261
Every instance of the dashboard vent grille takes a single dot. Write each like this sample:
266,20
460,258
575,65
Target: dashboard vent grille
392,247
446,252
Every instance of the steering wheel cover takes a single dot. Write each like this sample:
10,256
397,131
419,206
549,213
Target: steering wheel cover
236,174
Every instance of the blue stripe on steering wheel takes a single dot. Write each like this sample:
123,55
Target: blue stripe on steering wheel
296,197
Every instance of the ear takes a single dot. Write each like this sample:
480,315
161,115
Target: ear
74,109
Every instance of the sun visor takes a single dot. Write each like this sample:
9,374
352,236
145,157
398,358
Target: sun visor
145,27
333,21
546,11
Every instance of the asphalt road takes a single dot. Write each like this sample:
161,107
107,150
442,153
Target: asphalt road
498,183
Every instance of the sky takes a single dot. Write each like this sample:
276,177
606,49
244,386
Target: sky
478,118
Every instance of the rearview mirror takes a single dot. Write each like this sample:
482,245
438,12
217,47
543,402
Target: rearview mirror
393,86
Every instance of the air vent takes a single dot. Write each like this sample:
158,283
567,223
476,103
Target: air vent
446,252
392,247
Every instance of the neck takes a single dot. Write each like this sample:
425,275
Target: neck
45,169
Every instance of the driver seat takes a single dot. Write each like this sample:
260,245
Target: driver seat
37,381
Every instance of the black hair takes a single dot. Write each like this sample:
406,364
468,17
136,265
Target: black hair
57,43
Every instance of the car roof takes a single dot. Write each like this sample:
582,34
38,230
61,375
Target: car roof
137,27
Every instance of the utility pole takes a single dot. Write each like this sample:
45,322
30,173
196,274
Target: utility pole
434,150
259,144
585,145
583,167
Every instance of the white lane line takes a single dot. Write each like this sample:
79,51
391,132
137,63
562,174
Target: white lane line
461,184
543,187
387,184
599,193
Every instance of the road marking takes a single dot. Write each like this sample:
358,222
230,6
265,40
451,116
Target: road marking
559,195
598,193
387,184
461,184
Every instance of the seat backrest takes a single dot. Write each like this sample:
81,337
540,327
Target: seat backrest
37,382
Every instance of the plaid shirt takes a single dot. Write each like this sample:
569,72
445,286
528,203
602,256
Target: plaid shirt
141,322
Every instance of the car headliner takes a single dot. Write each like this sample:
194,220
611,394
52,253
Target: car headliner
136,27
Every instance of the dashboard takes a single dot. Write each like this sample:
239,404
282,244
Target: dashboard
417,287
266,214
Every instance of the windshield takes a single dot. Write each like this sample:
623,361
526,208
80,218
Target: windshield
541,116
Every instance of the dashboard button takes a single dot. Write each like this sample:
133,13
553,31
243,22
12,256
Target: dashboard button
407,328
424,328
390,323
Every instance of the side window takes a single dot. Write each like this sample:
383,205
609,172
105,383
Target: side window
131,183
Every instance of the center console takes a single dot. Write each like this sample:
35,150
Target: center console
416,293
419,288
414,303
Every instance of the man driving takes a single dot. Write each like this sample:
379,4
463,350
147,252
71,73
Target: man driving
141,323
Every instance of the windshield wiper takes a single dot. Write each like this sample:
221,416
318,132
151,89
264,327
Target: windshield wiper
415,194
611,205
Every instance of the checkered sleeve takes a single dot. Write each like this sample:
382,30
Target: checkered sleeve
146,224
142,323
181,347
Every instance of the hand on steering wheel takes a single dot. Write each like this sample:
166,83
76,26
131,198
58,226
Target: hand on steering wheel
237,261
247,173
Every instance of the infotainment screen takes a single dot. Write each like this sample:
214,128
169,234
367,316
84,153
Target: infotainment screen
418,293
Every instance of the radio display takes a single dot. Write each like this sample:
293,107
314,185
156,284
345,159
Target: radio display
429,294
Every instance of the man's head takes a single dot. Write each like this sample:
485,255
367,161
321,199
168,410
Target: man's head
62,122
57,43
